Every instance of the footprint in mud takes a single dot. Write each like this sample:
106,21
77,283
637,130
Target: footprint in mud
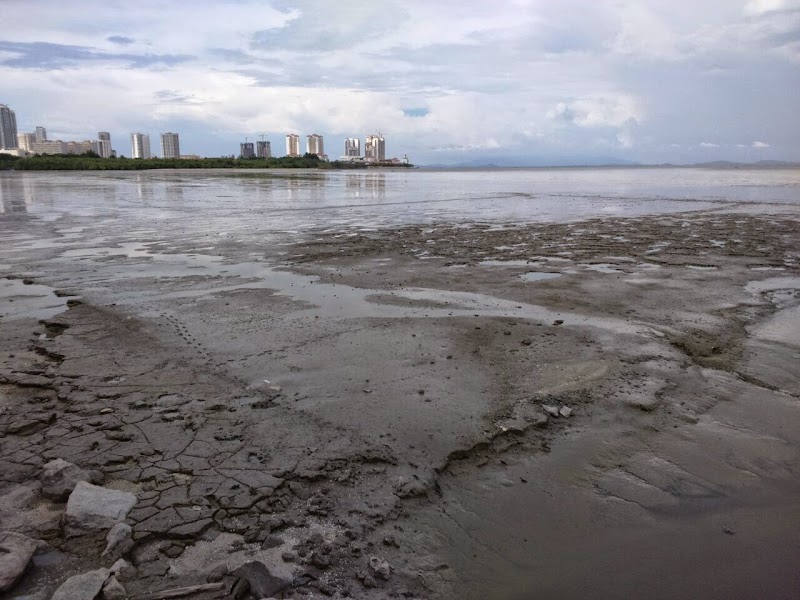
184,334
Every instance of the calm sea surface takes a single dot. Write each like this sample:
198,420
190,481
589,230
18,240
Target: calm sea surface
289,201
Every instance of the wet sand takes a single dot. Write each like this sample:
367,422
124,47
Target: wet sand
348,394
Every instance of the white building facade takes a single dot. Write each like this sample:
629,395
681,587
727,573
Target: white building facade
170,145
140,145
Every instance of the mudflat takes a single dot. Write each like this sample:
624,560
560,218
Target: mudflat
603,408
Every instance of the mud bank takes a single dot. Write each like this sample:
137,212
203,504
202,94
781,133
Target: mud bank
601,409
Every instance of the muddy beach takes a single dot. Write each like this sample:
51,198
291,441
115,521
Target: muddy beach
444,407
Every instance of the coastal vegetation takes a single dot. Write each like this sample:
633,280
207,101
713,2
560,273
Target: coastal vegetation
92,162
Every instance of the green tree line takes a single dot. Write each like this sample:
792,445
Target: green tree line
92,162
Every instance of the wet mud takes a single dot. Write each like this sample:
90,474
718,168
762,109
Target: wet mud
606,408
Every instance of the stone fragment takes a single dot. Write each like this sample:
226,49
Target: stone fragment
565,412
16,551
381,568
550,410
114,590
262,583
217,573
122,569
93,507
60,477
119,539
85,586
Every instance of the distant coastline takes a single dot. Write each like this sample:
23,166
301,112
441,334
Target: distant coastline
50,162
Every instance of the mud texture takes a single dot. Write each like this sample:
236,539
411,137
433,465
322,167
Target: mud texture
417,412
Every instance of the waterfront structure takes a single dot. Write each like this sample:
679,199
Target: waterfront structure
76,147
25,141
8,128
292,145
315,145
140,145
170,146
40,133
375,148
104,144
246,150
263,149
352,147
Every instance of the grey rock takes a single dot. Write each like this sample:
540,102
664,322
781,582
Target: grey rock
217,573
114,590
60,477
381,568
565,412
16,551
262,583
119,539
550,410
122,569
85,586
93,507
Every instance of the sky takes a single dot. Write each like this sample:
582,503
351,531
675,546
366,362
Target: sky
445,82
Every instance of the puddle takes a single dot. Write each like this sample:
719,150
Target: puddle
602,268
503,263
539,276
20,301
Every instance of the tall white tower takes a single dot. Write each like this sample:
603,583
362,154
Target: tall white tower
170,146
315,145
292,145
140,145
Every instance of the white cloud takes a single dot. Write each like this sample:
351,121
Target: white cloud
760,145
517,75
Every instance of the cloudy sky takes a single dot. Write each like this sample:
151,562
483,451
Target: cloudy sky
526,81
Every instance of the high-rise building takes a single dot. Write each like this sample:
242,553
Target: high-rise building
352,147
170,146
40,133
375,148
76,147
140,145
8,128
292,145
104,144
264,149
26,141
246,150
315,145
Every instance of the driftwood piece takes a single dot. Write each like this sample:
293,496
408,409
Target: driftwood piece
183,591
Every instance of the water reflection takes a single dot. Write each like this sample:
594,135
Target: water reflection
16,193
367,186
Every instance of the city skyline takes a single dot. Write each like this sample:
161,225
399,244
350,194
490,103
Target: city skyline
533,81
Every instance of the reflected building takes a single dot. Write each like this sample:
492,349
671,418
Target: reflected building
15,194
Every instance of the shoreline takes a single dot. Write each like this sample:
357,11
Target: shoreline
403,417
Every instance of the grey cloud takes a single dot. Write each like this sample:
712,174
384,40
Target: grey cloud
120,39
43,55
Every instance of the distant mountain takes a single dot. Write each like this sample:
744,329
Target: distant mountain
761,164
519,161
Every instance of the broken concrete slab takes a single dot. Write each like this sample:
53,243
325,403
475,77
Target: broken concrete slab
92,507
85,586
16,551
